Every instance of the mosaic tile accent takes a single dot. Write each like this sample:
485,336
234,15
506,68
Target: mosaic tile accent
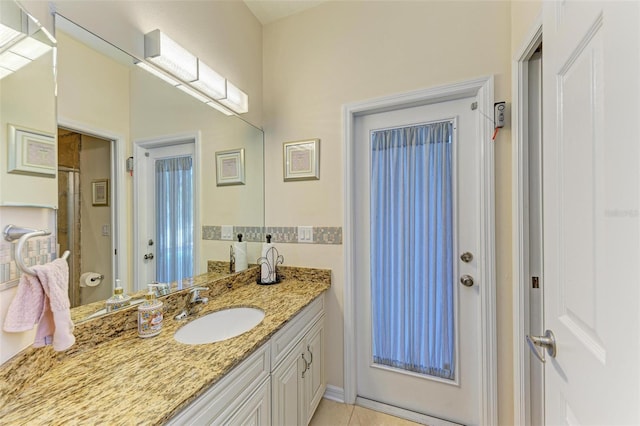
327,235
211,232
249,233
279,234
282,234
37,251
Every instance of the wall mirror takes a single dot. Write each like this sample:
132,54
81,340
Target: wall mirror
120,129
27,110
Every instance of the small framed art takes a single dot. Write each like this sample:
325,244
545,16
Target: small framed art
32,152
302,160
230,167
100,192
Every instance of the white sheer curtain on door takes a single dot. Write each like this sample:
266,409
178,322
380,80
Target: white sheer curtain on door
412,235
174,218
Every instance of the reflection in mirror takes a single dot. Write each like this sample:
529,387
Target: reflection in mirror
115,110
27,104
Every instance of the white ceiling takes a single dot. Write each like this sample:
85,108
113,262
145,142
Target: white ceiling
271,10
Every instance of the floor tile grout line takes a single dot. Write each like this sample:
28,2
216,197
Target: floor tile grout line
353,409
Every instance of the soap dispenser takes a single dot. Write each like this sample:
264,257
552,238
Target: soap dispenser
150,315
119,300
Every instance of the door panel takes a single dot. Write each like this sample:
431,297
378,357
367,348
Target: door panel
456,400
591,220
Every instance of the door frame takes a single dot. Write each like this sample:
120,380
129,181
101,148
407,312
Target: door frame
482,89
520,241
117,194
139,146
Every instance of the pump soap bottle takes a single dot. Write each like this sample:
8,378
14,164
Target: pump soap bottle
150,315
119,300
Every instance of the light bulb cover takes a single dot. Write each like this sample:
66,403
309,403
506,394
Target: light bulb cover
170,56
210,82
236,99
193,92
152,70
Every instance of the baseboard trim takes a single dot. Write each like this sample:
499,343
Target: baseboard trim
402,413
334,393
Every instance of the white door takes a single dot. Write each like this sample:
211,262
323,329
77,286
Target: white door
150,244
456,399
591,150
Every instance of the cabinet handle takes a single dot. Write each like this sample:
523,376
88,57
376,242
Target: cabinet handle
310,353
306,366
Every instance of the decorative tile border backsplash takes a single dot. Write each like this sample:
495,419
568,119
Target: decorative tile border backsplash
36,251
43,250
279,234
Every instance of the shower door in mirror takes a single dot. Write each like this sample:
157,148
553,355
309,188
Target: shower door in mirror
418,307
167,250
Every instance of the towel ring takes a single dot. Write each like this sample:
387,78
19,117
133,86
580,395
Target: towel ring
12,233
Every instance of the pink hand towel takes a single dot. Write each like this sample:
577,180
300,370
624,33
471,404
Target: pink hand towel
55,325
27,305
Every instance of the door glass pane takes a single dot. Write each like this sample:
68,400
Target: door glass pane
412,235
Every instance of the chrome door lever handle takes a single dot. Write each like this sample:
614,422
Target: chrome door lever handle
548,341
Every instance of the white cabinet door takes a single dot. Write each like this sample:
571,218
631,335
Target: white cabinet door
314,377
287,389
256,410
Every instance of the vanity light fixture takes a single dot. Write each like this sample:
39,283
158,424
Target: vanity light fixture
9,35
220,108
157,73
17,49
190,91
170,56
191,74
210,82
236,99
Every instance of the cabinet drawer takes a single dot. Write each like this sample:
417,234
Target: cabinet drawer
289,336
224,397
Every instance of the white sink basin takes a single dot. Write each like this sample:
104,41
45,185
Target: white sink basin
220,325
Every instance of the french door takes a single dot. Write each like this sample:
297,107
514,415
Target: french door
166,235
446,390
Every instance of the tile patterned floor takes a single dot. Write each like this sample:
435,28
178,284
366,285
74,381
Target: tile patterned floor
330,413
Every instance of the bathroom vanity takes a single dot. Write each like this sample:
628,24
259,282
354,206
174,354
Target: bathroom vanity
281,383
272,374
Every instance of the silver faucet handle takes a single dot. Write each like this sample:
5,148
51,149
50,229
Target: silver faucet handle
195,294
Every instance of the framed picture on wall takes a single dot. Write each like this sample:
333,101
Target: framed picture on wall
32,152
230,167
100,192
302,160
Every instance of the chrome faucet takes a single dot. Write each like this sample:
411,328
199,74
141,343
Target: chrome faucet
192,299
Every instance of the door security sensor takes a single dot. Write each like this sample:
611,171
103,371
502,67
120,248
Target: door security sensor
499,113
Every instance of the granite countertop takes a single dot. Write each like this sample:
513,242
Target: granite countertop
129,380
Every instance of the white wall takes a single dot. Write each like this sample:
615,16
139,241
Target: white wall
343,52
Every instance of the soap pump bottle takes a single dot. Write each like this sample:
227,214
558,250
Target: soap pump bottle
119,300
150,315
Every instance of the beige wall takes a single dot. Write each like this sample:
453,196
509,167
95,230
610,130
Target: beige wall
523,16
343,52
27,102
